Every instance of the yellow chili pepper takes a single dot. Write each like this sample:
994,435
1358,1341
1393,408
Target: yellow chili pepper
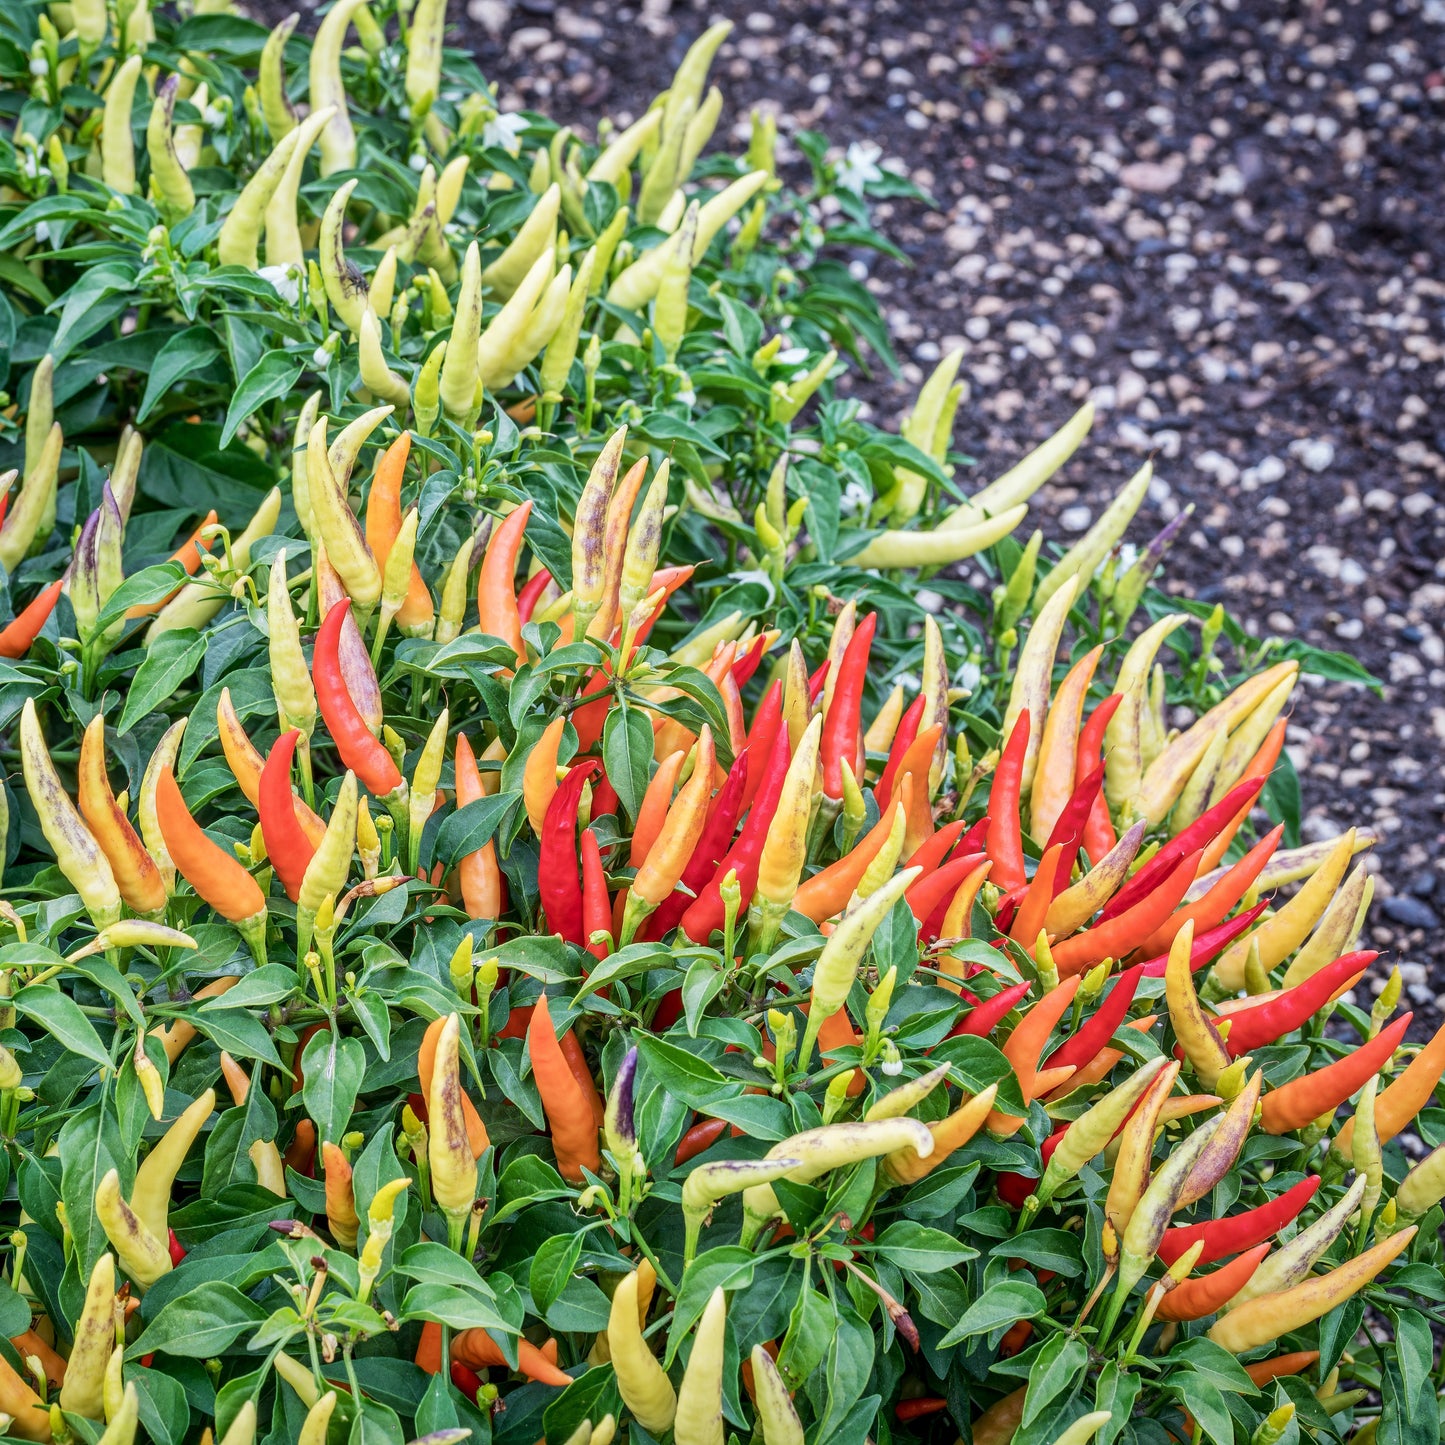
1294,1260
709,1184
424,779
922,427
424,35
460,385
1124,761
1197,1035
318,1417
330,865
276,108
346,287
699,1418
449,1151
455,596
290,676
780,864
1033,676
589,532
94,1338
336,524
562,348
117,149
174,194
778,1421
125,1421
380,1220
236,245
939,547
907,1097
641,1381
1082,560
338,140
270,1168
30,517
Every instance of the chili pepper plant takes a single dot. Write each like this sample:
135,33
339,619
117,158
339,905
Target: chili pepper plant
519,923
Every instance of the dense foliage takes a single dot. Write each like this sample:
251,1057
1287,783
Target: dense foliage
525,918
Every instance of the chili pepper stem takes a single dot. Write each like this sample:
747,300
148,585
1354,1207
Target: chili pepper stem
456,1229
634,915
308,783
765,918
1031,1207
253,930
1146,1318
398,803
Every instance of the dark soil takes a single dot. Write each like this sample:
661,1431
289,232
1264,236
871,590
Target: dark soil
1222,221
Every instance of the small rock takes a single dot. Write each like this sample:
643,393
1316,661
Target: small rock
1123,14
1152,178
1315,454
1075,519
1409,912
1424,883
1321,239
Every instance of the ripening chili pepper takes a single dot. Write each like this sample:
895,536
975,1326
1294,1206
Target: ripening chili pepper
1130,1174
1099,835
1398,1104
1297,1256
1055,776
1239,1232
29,1418
136,874
843,721
449,1144
659,872
928,893
1096,1030
17,636
1070,825
478,874
699,1419
917,765
1223,1148
288,848
82,1392
827,892
1209,944
981,1020
745,667
1123,933
652,811
1028,920
569,1112
539,773
641,1381
383,525
957,916
1025,1045
1198,1038
477,1138
711,844
213,872
1196,837
903,738
341,1217
531,592
931,853
1260,766
359,750
1005,838
1265,1023
707,910
1258,1321
1295,1363
475,1349
698,1139
1303,1100
496,594
558,880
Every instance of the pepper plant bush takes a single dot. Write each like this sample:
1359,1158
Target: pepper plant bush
519,925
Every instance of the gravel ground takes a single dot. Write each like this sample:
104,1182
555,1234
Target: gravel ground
1220,222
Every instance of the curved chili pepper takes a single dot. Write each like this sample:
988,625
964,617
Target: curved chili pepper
817,682
496,592
908,726
1099,835
1194,1298
1239,1232
215,874
712,843
359,751
596,906
558,881
1125,932
1197,836
569,1111
843,723
1033,907
1210,910
652,810
767,720
15,640
1210,944
1264,1023
287,845
1398,1104
531,592
924,896
931,853
478,874
1303,1100
1071,825
383,525
1005,846
746,666
827,892
980,1020
1096,1031
706,912
698,1139
1261,765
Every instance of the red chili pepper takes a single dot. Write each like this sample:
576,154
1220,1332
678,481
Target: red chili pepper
1238,1232
1014,1189
907,1410
596,906
1073,821
466,1380
287,845
1122,934
557,872
1005,835
1197,836
980,1021
1209,944
843,721
1303,1100
928,892
706,912
712,843
1253,1028
817,682
747,665
1099,835
359,751
1195,1298
15,640
973,840
177,1249
1096,1031
604,796
931,853
701,1137
767,722
532,589
908,726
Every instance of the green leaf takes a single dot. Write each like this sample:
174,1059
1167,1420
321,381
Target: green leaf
552,1268
915,1246
999,1306
332,1070
204,1322
60,1016
151,584
1057,1369
186,353
729,1267
470,828
627,744
272,376
1205,1401
169,661
810,1329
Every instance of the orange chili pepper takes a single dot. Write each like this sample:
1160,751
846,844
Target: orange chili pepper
1025,1046
478,1350
827,892
188,554
425,1063
496,589
1033,909
619,518
1263,1371
916,764
652,812
1303,1100
214,873
1209,1293
659,871
15,640
1056,768
383,523
568,1109
136,875
1260,766
478,873
1398,1104
577,1062
340,1196
539,774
